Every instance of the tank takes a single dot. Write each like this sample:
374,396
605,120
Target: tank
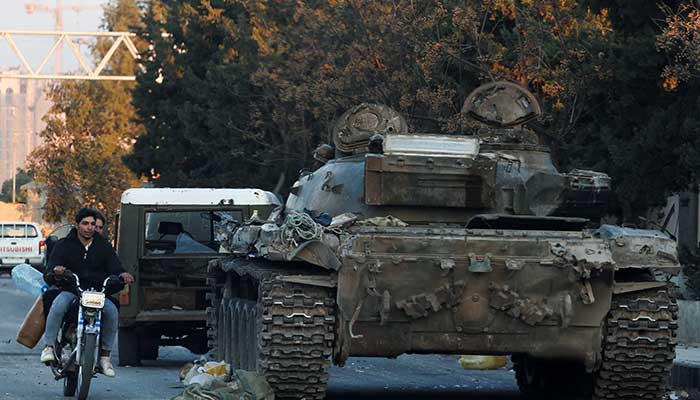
403,242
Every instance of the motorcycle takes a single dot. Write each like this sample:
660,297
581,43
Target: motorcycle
78,341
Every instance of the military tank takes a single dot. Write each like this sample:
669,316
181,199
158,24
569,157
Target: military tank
403,242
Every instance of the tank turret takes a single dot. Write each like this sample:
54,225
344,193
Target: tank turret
499,167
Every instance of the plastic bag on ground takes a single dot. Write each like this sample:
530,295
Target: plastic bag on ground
206,373
203,384
483,362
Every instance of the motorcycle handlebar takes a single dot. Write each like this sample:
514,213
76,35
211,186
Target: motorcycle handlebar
68,274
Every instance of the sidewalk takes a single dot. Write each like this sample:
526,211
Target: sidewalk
686,368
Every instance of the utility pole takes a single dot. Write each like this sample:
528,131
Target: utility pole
14,150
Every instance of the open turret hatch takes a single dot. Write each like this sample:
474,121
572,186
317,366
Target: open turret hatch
502,105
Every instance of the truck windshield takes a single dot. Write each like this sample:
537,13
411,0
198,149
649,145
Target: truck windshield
185,232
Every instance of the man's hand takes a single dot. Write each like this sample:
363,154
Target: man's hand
127,278
59,269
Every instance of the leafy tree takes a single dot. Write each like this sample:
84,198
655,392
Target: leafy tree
89,129
236,92
21,178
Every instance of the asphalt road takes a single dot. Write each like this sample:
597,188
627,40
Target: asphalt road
406,378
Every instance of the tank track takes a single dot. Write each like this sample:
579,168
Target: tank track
639,346
296,338
214,297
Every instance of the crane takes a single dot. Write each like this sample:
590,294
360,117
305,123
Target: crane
57,11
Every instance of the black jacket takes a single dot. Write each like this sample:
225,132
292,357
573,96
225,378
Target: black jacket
92,266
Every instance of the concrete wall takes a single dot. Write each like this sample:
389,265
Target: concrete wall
689,322
11,212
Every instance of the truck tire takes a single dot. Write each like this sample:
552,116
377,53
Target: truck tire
128,347
148,346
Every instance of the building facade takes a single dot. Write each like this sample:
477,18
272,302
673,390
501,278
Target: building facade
23,104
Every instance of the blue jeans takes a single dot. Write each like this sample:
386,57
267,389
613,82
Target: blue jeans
110,320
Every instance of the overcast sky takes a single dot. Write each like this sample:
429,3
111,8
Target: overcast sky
14,16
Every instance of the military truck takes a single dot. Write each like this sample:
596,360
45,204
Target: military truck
165,237
404,242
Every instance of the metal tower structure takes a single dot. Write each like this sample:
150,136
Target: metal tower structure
57,11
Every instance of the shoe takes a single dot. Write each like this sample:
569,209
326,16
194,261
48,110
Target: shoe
47,355
106,367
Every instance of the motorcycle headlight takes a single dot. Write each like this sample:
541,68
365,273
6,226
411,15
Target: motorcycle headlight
92,299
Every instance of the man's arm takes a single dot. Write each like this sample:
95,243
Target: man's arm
114,266
56,263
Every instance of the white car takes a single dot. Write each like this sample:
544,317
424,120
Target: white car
21,242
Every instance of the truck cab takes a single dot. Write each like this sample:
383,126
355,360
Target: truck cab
165,237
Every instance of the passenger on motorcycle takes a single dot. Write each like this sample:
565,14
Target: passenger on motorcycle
92,258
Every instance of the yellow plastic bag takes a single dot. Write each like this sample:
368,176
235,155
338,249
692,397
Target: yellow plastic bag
216,368
483,362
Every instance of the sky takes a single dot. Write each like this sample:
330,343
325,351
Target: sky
14,16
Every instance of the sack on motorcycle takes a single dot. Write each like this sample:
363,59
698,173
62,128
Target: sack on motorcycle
33,325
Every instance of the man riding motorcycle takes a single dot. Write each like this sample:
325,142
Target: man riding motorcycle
91,257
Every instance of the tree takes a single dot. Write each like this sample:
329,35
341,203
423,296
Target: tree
89,129
21,178
236,92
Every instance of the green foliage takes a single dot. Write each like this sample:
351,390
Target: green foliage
235,93
21,178
89,129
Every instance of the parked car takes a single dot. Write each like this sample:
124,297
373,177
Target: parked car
21,242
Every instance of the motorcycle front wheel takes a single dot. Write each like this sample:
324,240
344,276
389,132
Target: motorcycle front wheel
87,365
70,383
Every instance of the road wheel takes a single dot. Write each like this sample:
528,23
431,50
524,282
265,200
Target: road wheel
220,330
128,347
228,333
70,383
243,339
87,365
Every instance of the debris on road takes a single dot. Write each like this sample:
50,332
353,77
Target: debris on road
214,381
483,362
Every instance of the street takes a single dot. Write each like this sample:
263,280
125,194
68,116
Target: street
408,377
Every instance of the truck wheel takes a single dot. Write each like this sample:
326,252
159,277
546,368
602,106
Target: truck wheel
128,347
148,347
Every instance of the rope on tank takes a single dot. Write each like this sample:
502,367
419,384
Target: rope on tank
299,227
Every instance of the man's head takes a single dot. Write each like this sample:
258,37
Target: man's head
85,223
99,222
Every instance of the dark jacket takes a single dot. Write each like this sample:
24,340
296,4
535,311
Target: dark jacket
92,266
